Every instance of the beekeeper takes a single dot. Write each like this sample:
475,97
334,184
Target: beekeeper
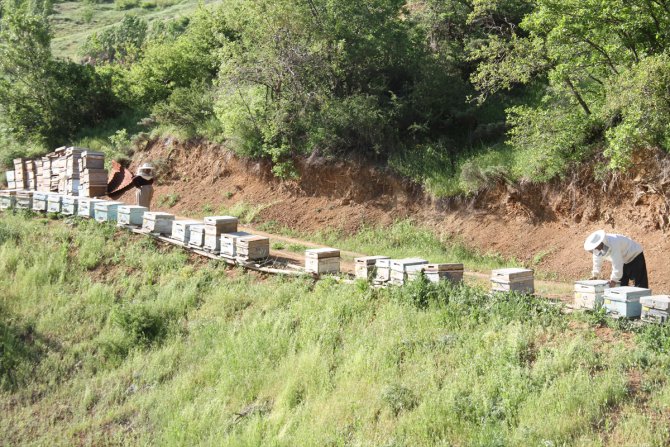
143,182
625,255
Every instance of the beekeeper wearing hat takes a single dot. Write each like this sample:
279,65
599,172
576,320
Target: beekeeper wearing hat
625,255
143,181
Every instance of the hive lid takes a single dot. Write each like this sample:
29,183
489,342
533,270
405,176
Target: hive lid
321,253
235,235
445,267
103,203
251,239
367,260
405,262
512,274
158,215
626,293
187,222
126,208
214,220
660,302
592,282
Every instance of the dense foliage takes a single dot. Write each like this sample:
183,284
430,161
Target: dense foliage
454,93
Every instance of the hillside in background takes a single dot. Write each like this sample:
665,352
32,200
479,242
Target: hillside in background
110,339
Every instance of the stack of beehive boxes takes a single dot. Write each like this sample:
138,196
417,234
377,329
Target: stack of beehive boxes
7,199
131,215
107,211
158,222
518,280
214,227
93,175
589,294
57,168
252,248
69,177
408,269
322,260
44,179
11,179
34,170
366,267
20,173
181,230
444,272
624,302
87,207
69,207
40,201
196,238
24,200
655,308
229,243
54,203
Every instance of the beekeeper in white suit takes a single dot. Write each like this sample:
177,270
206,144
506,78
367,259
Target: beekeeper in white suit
625,255
144,184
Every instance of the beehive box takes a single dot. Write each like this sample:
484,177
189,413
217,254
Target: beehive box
196,238
589,293
383,273
406,269
158,222
131,215
366,267
107,211
7,199
228,246
624,301
655,308
181,229
252,248
24,200
40,201
215,225
444,272
69,207
10,177
518,280
91,160
54,203
322,260
87,207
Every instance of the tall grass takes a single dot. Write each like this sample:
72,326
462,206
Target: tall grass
141,346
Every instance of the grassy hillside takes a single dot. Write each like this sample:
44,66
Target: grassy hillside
107,338
73,22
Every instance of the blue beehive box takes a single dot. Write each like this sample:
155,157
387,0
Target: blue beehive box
7,199
131,215
625,301
107,211
69,207
40,201
54,203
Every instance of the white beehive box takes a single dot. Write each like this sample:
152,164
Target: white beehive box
181,229
196,238
215,225
513,280
131,215
655,308
229,243
87,207
589,294
40,201
253,248
365,267
7,199
24,200
406,269
383,271
54,203
69,206
158,222
322,260
444,272
107,210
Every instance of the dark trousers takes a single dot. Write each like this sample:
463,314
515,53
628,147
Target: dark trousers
637,271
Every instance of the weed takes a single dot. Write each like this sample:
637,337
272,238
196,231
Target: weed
168,200
278,246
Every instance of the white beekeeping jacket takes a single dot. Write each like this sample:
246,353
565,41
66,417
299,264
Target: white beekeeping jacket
622,251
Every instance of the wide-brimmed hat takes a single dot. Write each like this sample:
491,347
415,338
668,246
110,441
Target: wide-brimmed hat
596,238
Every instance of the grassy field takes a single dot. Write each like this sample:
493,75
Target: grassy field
108,338
73,22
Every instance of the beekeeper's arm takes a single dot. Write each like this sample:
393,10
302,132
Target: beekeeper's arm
617,265
597,265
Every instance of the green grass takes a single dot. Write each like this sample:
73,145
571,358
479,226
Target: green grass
168,200
245,212
109,338
73,22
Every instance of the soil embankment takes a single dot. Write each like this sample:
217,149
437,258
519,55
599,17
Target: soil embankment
540,224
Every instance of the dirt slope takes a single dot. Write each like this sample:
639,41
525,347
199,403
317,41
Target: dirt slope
542,223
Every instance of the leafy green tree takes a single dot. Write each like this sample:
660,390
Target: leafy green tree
121,44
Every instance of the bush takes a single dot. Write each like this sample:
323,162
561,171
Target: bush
187,108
